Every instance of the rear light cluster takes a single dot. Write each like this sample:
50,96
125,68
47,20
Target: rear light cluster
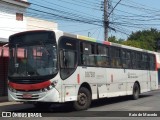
51,86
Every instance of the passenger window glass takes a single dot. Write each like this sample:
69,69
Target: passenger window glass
138,61
128,60
134,61
68,59
116,59
87,54
102,56
144,62
67,62
152,62
124,59
67,56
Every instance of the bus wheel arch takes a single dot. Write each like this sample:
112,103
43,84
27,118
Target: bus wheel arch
86,85
84,97
136,90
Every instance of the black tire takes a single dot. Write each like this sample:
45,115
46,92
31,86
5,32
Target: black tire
42,105
84,99
136,91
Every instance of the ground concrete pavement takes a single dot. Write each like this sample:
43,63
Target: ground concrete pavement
4,99
149,101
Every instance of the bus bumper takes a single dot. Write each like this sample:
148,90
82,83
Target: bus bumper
36,96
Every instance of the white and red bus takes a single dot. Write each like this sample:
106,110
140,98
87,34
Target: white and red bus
55,67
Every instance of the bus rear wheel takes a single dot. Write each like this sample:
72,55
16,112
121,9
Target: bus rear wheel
136,91
84,99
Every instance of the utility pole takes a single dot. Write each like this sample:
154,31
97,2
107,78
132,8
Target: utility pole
106,17
106,20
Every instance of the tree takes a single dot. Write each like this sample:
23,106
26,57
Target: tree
112,39
145,39
115,40
132,43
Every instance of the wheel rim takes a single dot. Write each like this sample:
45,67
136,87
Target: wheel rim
82,99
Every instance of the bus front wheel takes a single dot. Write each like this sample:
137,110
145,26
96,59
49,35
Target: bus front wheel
84,99
136,91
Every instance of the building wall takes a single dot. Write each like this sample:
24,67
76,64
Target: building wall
8,26
39,24
8,23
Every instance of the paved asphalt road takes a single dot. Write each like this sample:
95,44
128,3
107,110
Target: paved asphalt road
118,108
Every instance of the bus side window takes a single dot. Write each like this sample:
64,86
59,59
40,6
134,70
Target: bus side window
152,64
144,61
128,59
68,57
138,60
123,55
67,62
102,56
116,59
87,54
134,61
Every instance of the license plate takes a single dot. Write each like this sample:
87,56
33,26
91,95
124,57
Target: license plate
27,96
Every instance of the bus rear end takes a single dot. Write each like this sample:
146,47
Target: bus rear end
33,67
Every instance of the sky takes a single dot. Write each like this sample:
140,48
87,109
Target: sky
85,17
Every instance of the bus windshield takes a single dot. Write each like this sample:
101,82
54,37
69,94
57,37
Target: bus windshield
32,55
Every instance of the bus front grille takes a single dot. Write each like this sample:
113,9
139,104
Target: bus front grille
33,97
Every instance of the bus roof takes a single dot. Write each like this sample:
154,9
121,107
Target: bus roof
80,37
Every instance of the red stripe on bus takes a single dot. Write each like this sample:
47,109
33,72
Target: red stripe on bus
106,43
28,87
156,63
78,78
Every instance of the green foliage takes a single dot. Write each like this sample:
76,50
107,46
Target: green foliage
131,43
145,39
114,40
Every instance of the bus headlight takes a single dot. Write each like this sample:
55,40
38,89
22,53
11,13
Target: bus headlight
51,86
12,89
54,83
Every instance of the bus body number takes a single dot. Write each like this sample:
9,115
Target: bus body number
89,74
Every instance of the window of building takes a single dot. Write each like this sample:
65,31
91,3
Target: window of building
19,16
